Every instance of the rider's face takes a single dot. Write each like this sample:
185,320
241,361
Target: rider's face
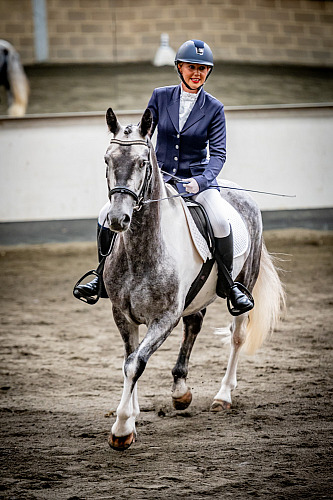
194,75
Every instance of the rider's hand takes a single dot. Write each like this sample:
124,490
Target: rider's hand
191,186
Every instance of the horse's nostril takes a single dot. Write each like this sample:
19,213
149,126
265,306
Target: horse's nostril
126,219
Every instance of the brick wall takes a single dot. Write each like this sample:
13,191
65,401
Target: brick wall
264,31
16,26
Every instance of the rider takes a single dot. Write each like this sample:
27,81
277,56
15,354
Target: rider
188,119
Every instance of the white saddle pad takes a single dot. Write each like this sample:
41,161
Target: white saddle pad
239,231
240,234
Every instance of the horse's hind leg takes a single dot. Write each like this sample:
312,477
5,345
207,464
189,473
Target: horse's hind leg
222,400
181,394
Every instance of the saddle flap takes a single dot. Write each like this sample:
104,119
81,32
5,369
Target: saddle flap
201,219
199,241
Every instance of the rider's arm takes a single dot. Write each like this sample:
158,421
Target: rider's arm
217,149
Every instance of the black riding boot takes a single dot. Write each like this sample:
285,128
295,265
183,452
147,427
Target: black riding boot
226,287
91,289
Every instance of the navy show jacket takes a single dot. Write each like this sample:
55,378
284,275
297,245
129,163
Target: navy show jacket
184,153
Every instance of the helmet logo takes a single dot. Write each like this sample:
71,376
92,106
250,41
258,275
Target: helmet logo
199,47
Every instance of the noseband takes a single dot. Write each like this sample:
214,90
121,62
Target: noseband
124,189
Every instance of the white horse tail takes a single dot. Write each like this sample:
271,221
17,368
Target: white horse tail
269,297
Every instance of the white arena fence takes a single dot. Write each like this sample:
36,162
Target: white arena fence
52,166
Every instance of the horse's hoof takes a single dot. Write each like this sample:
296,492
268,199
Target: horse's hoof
121,443
183,402
220,406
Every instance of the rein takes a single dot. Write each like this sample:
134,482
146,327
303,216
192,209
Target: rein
124,189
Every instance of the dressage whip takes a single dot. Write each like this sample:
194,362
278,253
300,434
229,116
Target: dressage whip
255,191
178,179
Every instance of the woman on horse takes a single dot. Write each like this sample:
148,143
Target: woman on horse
188,120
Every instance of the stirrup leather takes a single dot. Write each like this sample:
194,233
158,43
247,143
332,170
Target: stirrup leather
236,312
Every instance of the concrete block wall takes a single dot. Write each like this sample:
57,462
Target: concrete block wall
260,31
17,27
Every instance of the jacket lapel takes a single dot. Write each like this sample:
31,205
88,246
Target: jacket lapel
197,112
173,108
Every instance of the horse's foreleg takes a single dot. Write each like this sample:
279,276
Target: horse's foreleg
128,409
222,400
181,394
123,430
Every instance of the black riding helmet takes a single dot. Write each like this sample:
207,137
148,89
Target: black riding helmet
196,52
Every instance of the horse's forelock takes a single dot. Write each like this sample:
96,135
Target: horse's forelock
128,129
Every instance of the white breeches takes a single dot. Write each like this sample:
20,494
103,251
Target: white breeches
215,207
212,202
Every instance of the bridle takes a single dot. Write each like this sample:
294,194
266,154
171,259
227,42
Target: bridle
124,189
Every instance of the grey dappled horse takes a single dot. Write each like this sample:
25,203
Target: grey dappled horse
153,265
13,78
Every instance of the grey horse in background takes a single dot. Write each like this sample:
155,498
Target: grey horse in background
153,264
13,79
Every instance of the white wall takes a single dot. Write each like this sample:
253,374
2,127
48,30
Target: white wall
284,150
53,167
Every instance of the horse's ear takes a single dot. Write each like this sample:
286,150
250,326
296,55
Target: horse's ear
112,121
146,123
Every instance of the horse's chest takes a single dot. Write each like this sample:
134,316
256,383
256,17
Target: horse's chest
142,290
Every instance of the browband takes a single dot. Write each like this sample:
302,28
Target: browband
129,143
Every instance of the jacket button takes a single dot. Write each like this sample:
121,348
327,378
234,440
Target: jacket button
176,146
178,136
174,170
175,158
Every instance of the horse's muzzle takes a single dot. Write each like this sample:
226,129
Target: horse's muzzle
119,224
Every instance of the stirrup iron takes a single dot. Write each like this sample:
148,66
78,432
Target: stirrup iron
236,312
89,300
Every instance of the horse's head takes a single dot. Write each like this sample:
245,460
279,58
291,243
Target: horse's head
128,168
